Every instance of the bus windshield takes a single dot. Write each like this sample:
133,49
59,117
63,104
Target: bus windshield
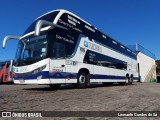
59,44
30,49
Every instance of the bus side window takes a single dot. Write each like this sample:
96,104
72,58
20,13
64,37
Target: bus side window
71,43
63,42
58,49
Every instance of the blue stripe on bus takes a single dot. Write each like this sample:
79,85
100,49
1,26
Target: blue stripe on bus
47,75
64,75
44,74
96,76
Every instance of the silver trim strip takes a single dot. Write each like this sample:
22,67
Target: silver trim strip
40,23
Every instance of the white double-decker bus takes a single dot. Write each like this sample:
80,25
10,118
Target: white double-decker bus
60,48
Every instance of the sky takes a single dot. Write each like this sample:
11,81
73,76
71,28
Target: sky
127,21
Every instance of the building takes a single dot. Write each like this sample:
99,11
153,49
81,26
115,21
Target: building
146,63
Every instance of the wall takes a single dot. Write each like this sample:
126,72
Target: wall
147,67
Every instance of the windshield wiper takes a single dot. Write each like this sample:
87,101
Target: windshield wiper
21,62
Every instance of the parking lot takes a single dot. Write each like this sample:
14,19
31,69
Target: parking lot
136,97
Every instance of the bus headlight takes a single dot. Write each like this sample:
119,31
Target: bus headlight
39,69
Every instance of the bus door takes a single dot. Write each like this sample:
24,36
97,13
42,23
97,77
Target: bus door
57,70
57,61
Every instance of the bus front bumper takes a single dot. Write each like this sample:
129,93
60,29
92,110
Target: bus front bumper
33,81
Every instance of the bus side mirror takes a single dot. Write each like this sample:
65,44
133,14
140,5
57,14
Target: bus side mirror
41,23
7,38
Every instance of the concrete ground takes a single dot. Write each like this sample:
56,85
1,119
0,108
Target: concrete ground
136,97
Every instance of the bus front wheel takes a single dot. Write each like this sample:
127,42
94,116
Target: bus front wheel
82,80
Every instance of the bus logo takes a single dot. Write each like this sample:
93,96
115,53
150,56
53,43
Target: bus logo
85,43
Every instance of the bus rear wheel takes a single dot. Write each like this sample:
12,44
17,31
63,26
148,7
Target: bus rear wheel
55,86
130,80
82,80
126,81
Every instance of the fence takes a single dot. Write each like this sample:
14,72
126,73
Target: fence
139,48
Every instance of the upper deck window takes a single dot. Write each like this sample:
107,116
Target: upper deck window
104,36
62,43
122,46
128,50
114,42
48,17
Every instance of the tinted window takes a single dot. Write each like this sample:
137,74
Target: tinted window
103,60
73,23
62,42
58,50
48,17
2,64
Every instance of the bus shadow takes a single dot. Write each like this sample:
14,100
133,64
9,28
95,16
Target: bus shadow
71,87
50,89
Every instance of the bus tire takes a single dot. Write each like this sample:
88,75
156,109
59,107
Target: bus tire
130,80
82,81
127,79
55,86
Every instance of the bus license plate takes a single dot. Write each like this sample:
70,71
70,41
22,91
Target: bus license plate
22,81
